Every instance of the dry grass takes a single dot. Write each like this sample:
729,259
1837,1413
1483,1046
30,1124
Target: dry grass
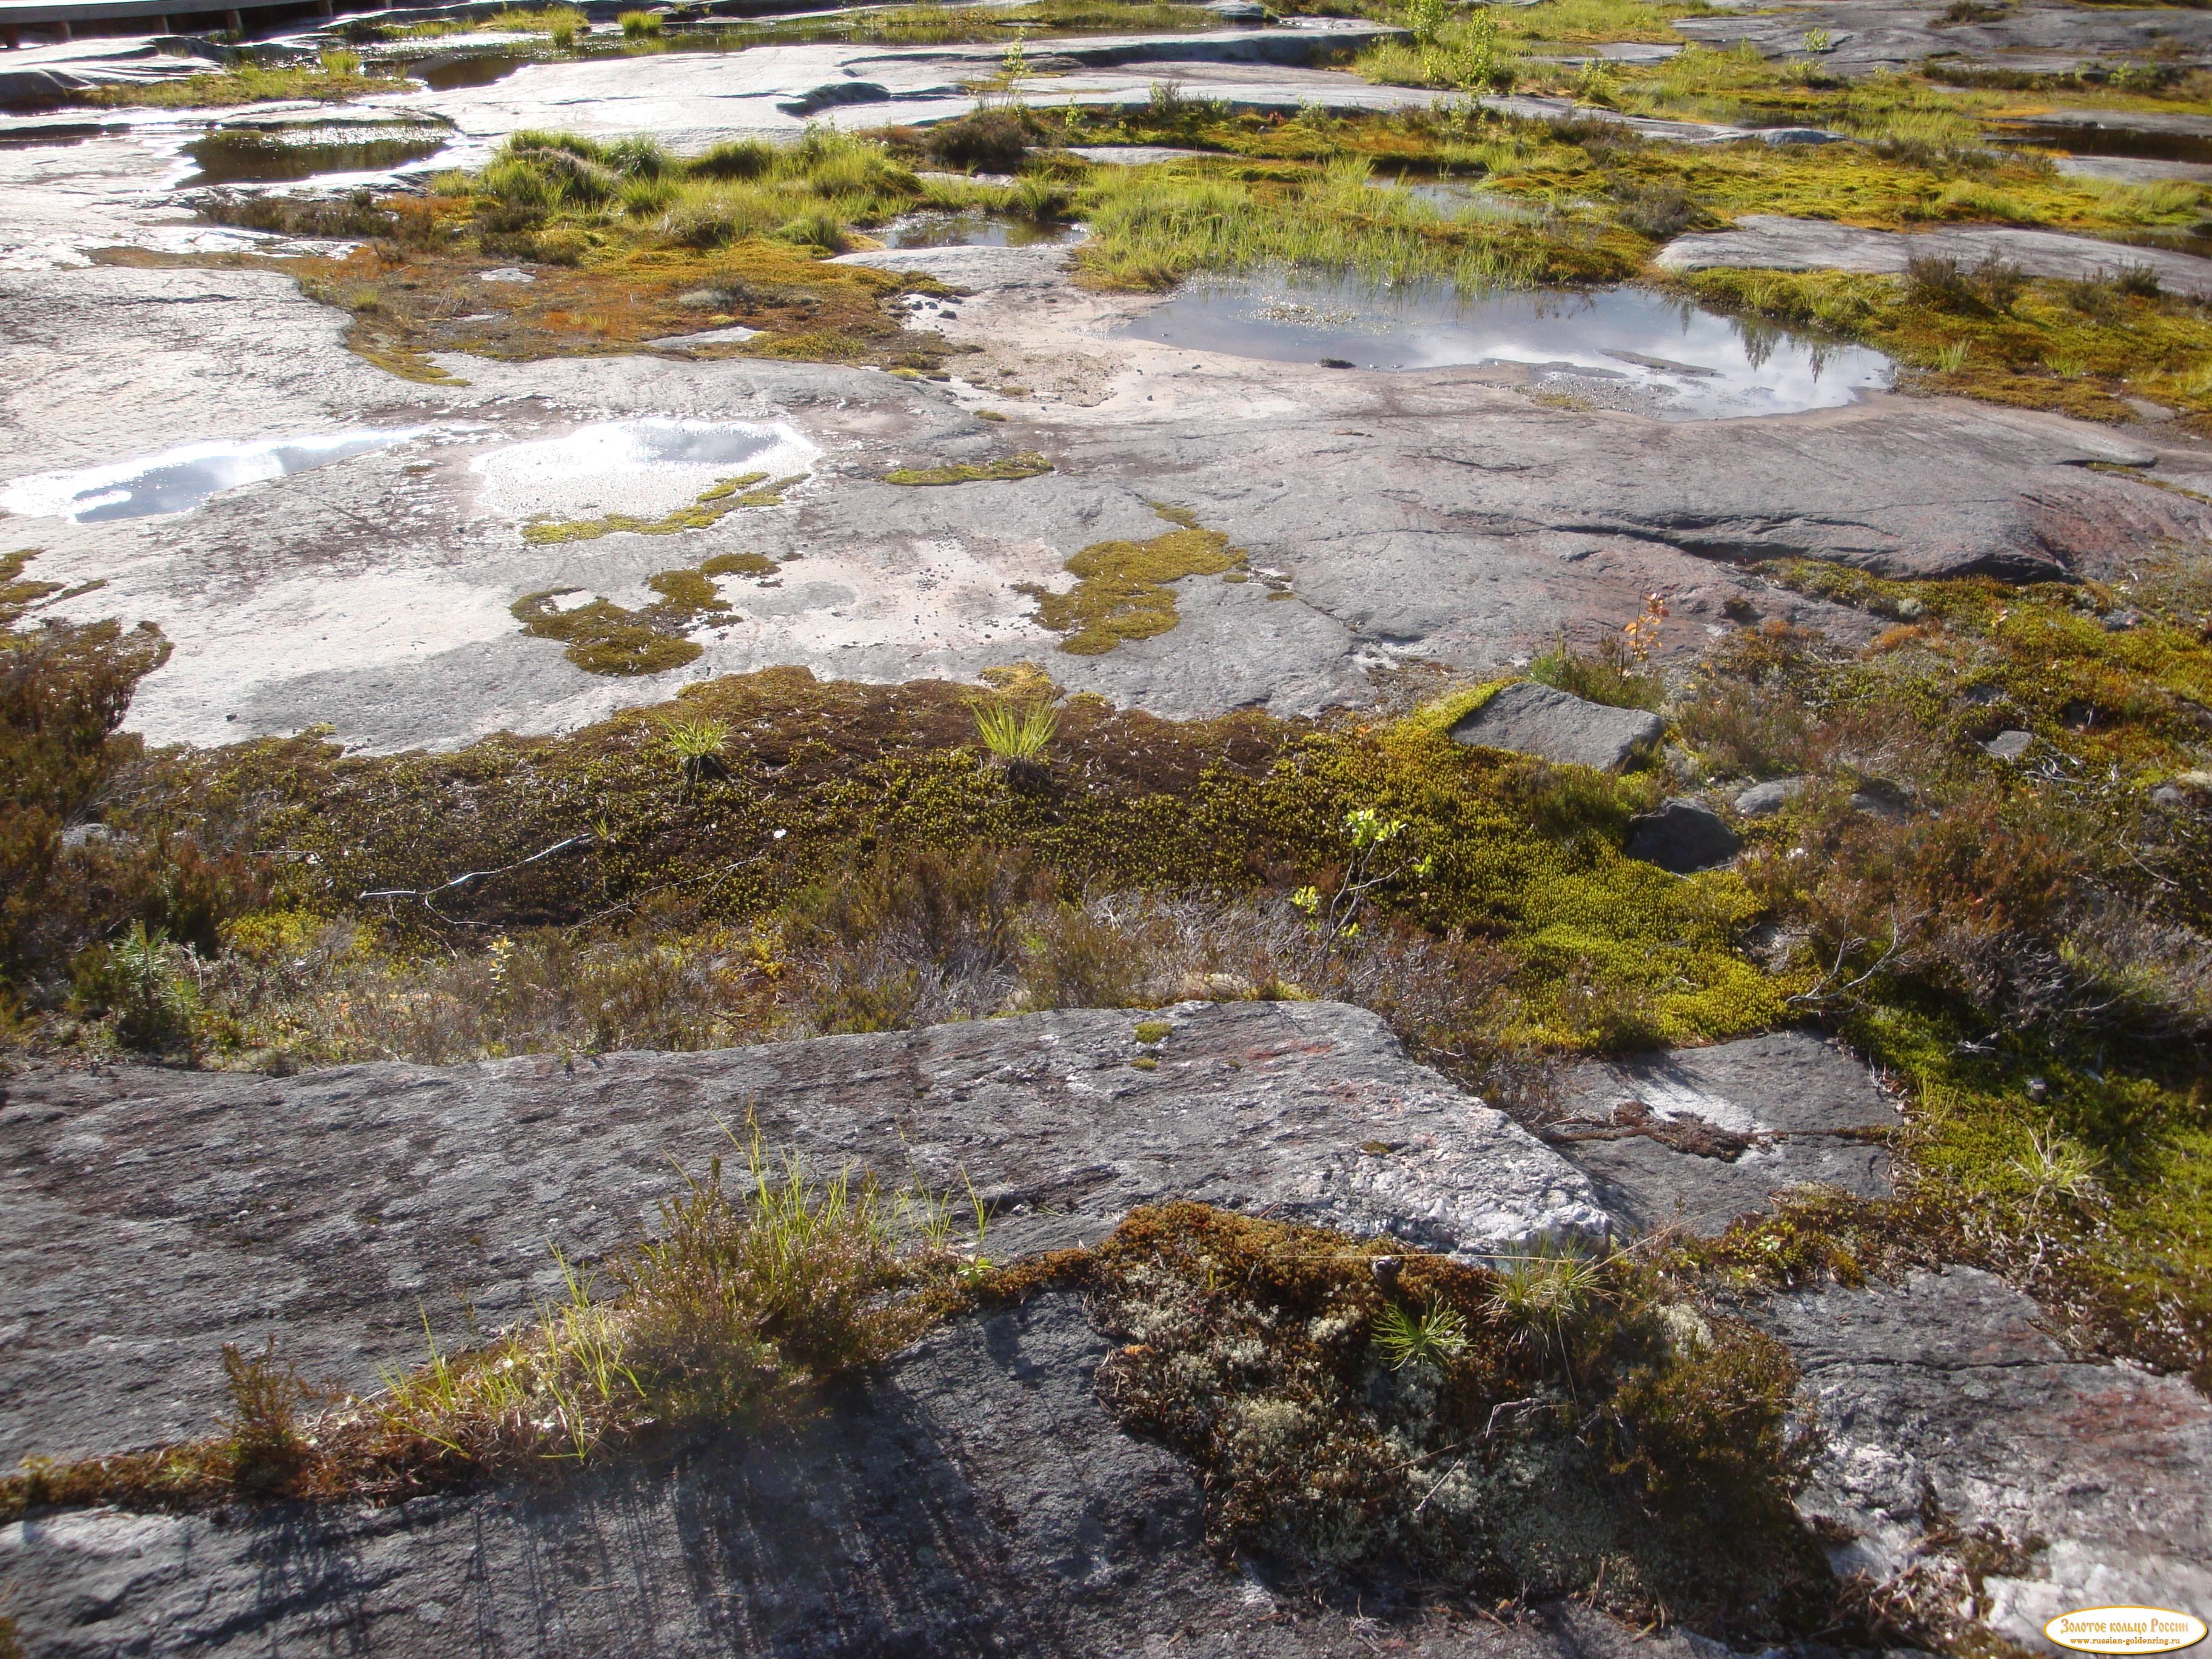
734,1313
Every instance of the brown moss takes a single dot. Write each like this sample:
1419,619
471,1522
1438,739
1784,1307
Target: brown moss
602,637
1505,1453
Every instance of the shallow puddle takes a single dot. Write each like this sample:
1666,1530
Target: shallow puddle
179,480
1627,347
258,155
970,230
2129,143
637,466
477,69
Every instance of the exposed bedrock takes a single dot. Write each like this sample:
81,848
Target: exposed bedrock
973,1495
1437,513
2042,37
174,1212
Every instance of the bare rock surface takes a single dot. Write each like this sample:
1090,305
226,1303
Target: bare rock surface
973,1498
1696,1138
2038,37
1771,242
157,1214
1949,1409
1532,719
1684,836
1432,514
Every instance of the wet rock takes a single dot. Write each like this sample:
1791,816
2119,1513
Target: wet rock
1950,1409
1765,799
154,1215
1532,719
1684,836
1772,242
2009,745
1697,1137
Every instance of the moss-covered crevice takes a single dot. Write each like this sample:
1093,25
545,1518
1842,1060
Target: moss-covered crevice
1392,1425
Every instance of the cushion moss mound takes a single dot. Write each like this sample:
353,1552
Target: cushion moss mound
1121,590
1007,469
1369,1419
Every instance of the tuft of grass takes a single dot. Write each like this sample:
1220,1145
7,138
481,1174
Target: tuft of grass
640,25
733,1314
335,78
1009,468
1015,736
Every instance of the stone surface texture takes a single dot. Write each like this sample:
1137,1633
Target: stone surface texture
1683,836
1533,719
155,1215
1946,1403
1696,1138
975,1498
1435,514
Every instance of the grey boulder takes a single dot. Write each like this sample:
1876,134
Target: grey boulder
1684,836
1533,719
1764,800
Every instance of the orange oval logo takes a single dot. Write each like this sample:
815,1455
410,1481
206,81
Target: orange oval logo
2125,1629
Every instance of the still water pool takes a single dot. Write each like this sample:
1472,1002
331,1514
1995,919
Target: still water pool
1673,359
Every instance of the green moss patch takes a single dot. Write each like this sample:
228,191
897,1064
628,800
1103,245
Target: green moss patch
711,508
1121,590
1027,464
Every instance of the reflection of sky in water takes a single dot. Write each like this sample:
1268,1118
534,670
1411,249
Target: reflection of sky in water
1692,364
635,466
629,445
970,230
179,480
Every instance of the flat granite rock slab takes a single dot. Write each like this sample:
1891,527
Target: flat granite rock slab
1696,1138
152,1215
1943,1398
973,1497
1532,719
1769,241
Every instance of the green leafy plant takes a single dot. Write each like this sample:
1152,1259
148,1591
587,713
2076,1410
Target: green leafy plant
1818,40
697,741
1431,1338
1337,915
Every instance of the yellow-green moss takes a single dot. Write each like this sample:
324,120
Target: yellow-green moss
602,637
711,508
1027,464
1121,590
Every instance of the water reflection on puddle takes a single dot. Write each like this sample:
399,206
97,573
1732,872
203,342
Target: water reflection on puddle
179,480
970,230
640,465
1663,357
480,68
257,156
